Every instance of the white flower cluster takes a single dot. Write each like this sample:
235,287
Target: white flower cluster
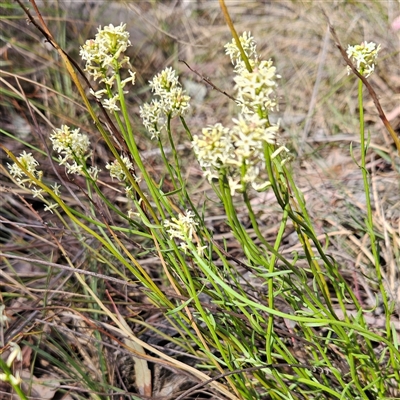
104,57
172,102
116,170
183,228
364,55
72,147
238,151
153,117
29,165
214,148
249,48
255,88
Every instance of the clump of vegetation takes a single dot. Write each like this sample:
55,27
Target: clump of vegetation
237,316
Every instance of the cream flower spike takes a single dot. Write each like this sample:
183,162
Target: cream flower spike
364,55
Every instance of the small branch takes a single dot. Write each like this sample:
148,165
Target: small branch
207,80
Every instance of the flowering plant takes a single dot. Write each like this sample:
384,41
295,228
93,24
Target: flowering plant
238,152
236,301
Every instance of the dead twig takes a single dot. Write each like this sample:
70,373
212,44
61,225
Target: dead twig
207,80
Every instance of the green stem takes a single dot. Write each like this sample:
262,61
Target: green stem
369,222
9,377
177,166
271,298
135,152
186,128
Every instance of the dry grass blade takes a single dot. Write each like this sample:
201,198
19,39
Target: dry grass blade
142,371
